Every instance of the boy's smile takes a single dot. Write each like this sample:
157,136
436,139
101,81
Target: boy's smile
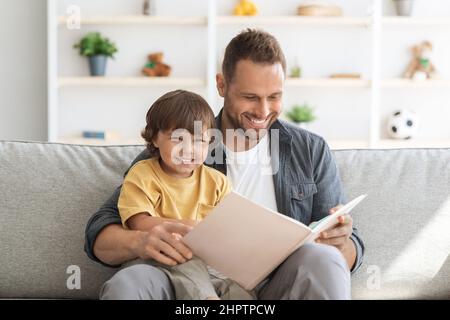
181,152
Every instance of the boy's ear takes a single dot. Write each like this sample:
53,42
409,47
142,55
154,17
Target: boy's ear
220,83
155,144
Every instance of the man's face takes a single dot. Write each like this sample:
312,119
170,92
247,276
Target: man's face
252,99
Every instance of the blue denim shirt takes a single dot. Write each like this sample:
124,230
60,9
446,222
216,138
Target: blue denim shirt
307,182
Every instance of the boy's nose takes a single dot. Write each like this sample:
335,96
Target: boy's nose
188,149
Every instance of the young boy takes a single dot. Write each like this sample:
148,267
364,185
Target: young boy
174,184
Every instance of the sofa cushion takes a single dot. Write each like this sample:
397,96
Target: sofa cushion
47,194
404,221
48,191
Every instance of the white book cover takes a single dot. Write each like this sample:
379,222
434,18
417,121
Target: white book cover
246,241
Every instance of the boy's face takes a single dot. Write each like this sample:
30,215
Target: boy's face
181,152
253,98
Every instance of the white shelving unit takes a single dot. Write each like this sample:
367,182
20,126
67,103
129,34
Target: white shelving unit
294,20
130,81
415,22
56,83
99,142
327,83
411,84
375,23
139,20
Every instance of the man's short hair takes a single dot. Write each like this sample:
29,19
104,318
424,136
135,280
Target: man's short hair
256,45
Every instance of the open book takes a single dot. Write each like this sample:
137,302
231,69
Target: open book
245,241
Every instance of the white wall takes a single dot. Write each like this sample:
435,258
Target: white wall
23,71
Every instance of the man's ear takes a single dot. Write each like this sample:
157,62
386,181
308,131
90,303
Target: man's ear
220,83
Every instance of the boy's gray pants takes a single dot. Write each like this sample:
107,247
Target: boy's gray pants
314,271
194,280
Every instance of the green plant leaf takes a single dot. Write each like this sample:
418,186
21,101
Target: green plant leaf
301,113
95,44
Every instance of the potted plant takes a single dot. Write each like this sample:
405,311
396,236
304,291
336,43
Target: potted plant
301,115
98,49
404,7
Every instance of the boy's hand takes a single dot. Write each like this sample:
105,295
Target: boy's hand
189,222
163,243
339,235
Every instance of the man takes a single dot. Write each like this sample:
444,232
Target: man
305,185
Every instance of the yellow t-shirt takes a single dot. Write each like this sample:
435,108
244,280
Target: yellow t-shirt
147,188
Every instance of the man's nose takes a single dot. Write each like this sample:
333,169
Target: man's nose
263,110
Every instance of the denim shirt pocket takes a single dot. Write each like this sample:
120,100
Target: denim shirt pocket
302,201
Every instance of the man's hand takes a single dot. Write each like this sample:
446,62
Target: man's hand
163,243
339,235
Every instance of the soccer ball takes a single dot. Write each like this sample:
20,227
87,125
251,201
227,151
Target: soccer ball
403,124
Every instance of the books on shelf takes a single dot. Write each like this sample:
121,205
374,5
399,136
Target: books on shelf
103,135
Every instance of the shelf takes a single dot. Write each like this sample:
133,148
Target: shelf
334,144
327,83
290,82
130,81
348,144
415,21
412,143
101,142
413,84
139,20
294,20
258,20
387,144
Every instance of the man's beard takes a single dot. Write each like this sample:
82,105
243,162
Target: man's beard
249,136
237,125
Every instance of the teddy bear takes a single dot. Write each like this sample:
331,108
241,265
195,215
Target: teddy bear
245,8
155,66
420,66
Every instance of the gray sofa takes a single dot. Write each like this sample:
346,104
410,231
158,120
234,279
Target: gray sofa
48,192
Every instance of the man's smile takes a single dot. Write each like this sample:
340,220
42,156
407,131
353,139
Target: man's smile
256,123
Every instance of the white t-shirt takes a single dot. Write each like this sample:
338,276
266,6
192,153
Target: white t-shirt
250,173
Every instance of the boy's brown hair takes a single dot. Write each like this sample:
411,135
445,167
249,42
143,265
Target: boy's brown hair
176,110
256,45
